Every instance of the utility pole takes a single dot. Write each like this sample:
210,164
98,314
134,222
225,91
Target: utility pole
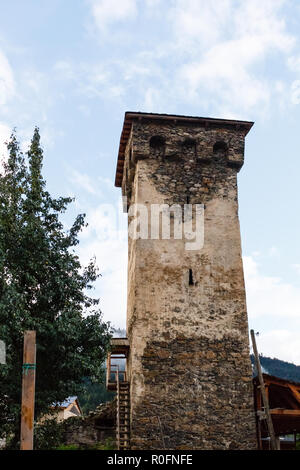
274,445
28,390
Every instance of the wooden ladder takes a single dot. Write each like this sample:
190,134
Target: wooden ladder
123,416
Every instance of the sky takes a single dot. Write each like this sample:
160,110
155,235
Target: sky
73,67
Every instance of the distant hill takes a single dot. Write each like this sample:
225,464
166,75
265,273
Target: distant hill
282,369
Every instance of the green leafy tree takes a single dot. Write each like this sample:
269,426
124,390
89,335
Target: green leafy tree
43,287
92,395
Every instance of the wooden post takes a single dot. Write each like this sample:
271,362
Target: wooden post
118,409
28,390
258,417
273,442
108,368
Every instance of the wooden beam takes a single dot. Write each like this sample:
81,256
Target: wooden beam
258,418
28,390
274,445
295,392
276,381
284,412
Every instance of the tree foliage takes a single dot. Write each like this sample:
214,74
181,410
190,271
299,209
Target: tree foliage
92,395
43,287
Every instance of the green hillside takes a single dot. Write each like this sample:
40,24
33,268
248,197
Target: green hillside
282,369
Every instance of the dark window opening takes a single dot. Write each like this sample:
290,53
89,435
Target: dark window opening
191,280
189,144
157,142
188,199
220,148
157,146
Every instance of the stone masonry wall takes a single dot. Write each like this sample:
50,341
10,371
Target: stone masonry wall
93,429
189,354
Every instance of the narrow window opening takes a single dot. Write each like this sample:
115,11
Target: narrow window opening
189,147
191,280
189,143
157,146
188,199
157,142
220,149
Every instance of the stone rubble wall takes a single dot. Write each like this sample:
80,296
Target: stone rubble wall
92,429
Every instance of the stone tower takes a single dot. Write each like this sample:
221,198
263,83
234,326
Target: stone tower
188,364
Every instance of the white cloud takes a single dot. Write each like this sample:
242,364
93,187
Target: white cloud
294,63
295,92
106,239
106,12
274,305
152,100
225,47
223,74
269,296
199,20
297,267
153,3
7,83
208,54
65,69
264,21
85,110
211,55
274,252
111,287
5,132
97,186
83,181
100,80
281,343
211,23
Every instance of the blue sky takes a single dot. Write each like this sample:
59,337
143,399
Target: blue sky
73,67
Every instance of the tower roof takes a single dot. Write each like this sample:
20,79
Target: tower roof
130,116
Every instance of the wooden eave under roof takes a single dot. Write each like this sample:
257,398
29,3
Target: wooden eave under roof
130,116
272,379
285,419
